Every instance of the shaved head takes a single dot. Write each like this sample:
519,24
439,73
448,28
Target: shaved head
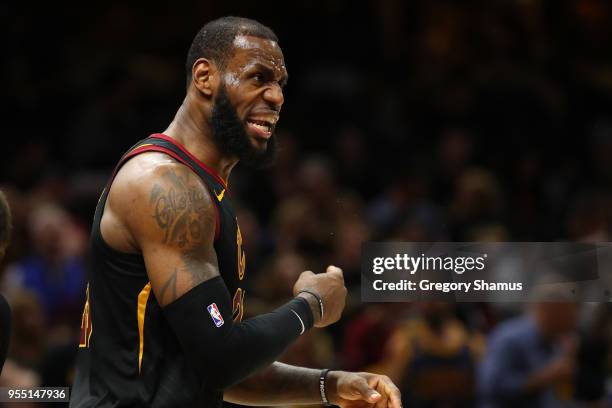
215,41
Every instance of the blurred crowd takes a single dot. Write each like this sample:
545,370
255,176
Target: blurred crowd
440,120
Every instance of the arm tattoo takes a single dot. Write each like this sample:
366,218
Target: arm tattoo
183,212
169,289
179,209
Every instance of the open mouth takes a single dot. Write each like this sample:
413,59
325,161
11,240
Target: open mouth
262,127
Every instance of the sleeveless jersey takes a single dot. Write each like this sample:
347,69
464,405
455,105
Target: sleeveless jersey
129,355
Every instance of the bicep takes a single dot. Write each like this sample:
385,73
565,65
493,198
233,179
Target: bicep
174,227
173,219
172,273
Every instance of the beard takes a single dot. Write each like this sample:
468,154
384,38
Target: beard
230,136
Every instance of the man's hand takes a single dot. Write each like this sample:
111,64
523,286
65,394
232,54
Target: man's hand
362,390
328,285
564,366
560,369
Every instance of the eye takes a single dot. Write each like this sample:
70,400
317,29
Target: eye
258,77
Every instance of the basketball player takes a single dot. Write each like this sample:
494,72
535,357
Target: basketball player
162,324
5,311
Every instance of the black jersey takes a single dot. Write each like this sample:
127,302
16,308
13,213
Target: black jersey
129,355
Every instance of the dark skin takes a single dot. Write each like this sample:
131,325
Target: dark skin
161,209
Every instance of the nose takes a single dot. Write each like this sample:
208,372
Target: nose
274,96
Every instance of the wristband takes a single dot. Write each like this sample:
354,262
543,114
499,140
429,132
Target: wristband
306,318
322,379
316,295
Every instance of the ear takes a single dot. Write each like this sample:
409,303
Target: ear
205,76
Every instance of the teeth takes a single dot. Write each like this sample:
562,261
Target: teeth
262,127
262,122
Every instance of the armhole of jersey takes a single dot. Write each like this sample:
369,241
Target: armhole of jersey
155,148
179,146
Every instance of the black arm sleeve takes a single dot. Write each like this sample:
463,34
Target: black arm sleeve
226,352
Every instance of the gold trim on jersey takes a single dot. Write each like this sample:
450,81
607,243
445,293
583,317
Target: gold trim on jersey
143,298
86,324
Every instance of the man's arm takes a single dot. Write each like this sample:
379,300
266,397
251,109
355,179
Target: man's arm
282,384
170,218
502,377
278,384
561,368
5,329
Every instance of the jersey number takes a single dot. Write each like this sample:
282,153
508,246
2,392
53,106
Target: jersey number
238,301
238,305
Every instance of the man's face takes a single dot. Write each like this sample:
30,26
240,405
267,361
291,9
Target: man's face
249,99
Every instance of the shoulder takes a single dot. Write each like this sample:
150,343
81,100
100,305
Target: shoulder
145,175
513,332
152,188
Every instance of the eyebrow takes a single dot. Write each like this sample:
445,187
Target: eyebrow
284,77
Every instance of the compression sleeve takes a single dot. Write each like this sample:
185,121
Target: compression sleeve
224,352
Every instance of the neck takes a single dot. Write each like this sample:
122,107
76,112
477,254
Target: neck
190,129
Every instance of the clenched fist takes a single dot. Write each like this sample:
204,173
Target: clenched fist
330,287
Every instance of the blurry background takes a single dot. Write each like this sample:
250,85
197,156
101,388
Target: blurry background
425,120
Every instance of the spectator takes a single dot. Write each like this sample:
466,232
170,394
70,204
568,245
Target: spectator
530,360
432,357
5,311
54,271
